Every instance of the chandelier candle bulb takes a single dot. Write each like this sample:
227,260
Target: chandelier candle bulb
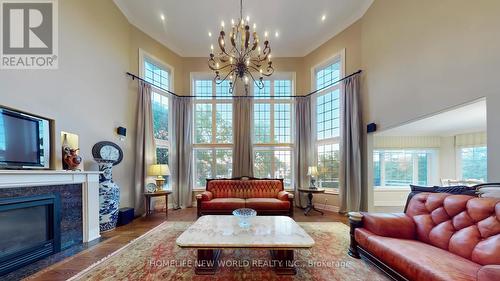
243,58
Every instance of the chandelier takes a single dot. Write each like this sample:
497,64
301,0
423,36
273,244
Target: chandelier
240,57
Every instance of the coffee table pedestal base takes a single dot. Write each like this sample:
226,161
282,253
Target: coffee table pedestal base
284,262
207,262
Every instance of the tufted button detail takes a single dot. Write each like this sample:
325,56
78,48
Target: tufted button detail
487,251
464,225
462,220
440,235
481,208
462,243
439,215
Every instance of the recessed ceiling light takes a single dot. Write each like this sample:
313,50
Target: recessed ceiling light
209,34
276,34
162,17
323,17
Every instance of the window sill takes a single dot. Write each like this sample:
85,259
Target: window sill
332,192
392,189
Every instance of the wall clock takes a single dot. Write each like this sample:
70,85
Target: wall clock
107,150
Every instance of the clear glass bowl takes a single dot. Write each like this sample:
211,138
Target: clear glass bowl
244,215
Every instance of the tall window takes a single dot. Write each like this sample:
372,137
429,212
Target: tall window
473,163
158,74
400,168
213,131
327,117
273,130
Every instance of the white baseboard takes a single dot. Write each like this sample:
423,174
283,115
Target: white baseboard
330,208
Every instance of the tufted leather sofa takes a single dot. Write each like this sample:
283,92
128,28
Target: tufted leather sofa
439,237
266,196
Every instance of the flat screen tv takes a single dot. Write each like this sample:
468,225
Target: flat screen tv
24,141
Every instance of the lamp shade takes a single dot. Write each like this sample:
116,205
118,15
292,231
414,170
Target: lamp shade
159,170
312,171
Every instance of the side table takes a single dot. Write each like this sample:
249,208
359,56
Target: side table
310,205
147,199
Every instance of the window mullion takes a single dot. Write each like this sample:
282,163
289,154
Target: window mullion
214,122
271,114
382,169
415,167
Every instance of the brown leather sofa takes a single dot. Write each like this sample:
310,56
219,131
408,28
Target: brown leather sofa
266,196
439,237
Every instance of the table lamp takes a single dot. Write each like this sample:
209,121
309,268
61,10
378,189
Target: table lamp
312,171
159,170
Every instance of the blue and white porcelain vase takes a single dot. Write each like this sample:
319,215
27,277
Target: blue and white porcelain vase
109,197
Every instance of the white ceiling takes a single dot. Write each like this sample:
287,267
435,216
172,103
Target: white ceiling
187,22
470,118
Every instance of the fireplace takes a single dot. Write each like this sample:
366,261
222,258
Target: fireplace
29,230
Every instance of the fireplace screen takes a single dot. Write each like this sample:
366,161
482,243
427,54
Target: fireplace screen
24,228
29,230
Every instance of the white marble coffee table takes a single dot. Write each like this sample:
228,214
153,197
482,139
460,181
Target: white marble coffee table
280,234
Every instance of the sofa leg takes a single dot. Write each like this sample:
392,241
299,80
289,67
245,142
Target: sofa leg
355,221
198,207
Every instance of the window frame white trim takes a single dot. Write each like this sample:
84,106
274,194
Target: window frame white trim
170,69
432,167
213,146
272,146
339,56
459,160
143,56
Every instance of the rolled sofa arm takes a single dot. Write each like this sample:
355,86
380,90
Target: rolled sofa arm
204,196
285,195
390,225
355,221
489,273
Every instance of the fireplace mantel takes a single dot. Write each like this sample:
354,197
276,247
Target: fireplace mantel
90,191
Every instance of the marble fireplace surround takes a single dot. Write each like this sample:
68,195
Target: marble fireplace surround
90,191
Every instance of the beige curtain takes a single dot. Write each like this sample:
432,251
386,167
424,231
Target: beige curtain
145,154
304,149
242,130
350,147
181,153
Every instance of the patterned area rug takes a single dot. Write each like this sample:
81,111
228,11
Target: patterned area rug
155,256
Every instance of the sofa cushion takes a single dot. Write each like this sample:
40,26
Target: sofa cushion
267,204
416,260
223,204
464,225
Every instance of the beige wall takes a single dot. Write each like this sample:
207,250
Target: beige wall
140,40
89,94
418,57
349,39
421,57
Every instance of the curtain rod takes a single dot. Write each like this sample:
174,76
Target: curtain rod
224,97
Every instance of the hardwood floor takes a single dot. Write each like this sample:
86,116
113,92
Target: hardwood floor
121,236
